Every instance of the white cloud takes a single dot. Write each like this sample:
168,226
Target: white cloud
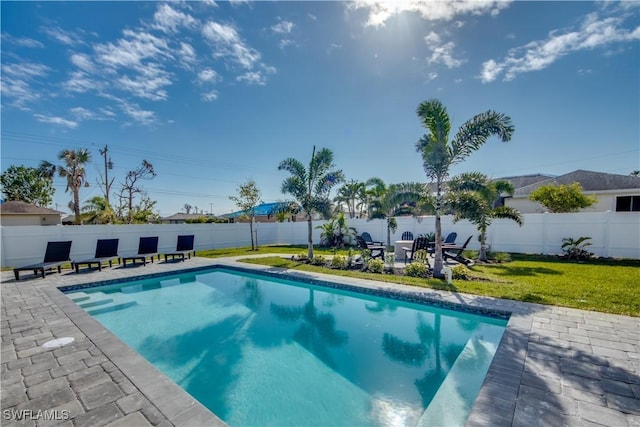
208,75
252,78
312,16
285,43
21,41
83,62
168,19
80,82
131,50
17,83
432,76
187,54
334,46
81,113
210,3
144,117
56,120
381,11
209,96
151,88
227,44
65,37
283,27
441,53
594,32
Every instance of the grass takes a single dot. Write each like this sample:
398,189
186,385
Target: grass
609,286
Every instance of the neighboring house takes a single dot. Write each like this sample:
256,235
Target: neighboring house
618,193
181,218
16,212
265,212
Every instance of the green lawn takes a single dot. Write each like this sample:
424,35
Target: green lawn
606,286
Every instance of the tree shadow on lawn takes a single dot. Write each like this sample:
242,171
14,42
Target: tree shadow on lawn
508,271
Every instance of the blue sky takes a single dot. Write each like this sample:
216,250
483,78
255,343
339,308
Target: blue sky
216,93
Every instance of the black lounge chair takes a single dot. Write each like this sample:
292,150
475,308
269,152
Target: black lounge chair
183,247
449,240
407,235
377,251
57,253
147,248
455,252
106,251
367,238
418,244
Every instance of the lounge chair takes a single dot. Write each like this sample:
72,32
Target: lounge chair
183,247
377,251
147,248
367,238
418,244
449,240
455,252
106,251
57,253
407,235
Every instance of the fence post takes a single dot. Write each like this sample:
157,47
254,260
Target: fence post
606,238
545,219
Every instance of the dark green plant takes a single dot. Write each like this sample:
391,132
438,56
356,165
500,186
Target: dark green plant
460,272
576,248
417,269
339,261
439,154
311,185
502,256
318,260
562,198
27,184
336,233
375,266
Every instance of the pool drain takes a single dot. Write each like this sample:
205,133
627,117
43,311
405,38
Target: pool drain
58,342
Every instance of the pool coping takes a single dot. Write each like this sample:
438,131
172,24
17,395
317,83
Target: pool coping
512,381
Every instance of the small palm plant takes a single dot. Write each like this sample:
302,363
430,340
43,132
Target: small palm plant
576,248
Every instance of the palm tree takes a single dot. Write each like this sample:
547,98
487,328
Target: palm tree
72,169
97,209
472,195
351,194
388,201
439,154
311,186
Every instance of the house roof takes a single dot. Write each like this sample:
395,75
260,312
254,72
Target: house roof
18,207
590,181
524,180
261,210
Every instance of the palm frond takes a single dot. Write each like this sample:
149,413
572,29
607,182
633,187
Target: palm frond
508,212
475,132
434,117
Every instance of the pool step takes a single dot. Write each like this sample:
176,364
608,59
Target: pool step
79,296
112,308
96,302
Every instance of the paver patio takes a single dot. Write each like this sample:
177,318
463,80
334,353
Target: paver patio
554,366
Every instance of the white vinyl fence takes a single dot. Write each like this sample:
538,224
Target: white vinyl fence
613,234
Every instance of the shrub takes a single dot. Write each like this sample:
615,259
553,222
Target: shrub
339,261
460,271
470,254
303,256
376,266
318,260
417,269
503,256
576,248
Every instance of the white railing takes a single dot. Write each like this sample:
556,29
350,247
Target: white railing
613,234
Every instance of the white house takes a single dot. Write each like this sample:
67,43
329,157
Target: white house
616,193
16,212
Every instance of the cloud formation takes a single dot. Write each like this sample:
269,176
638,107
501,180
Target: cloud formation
441,53
594,32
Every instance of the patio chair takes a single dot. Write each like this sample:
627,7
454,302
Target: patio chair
147,248
367,238
183,247
407,235
419,243
57,253
449,240
455,252
106,251
377,251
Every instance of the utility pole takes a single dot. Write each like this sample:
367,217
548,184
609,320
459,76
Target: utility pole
108,164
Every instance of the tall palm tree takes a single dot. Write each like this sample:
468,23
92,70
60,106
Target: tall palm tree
439,154
311,186
388,201
73,170
351,194
472,195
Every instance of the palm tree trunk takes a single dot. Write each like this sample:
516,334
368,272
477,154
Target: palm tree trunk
437,263
388,235
76,205
251,231
483,246
309,236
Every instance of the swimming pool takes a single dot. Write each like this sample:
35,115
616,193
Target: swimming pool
260,350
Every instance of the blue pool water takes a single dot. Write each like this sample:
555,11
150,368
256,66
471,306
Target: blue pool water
261,351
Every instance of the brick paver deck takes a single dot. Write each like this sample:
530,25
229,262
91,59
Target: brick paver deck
555,366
